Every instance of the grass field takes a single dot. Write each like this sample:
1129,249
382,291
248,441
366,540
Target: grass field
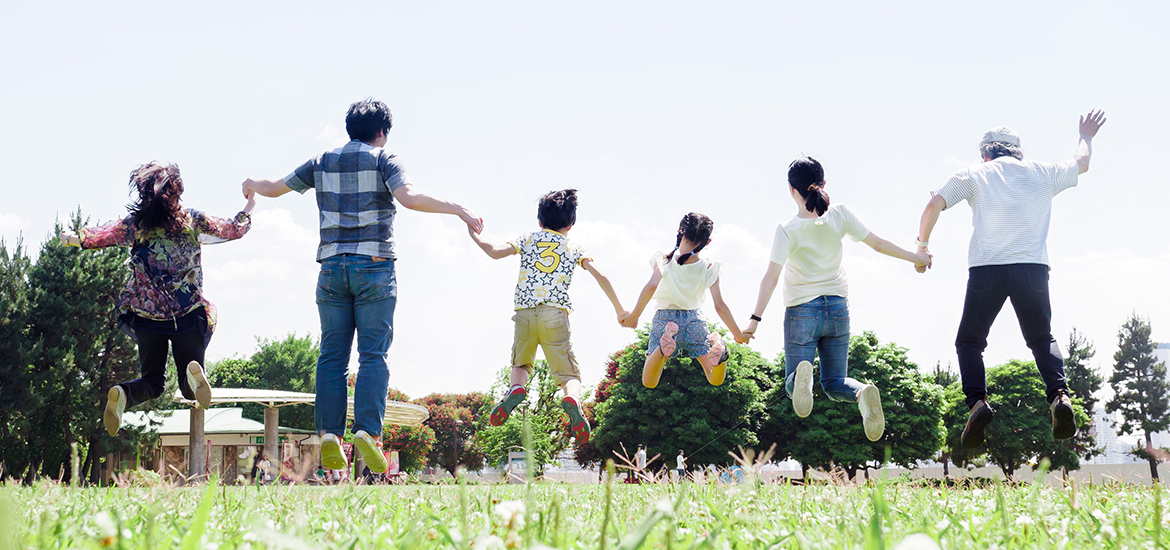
680,516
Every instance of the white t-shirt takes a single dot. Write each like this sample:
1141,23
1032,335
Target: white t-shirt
683,286
547,259
810,251
1011,205
682,462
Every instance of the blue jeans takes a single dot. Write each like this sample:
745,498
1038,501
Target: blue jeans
988,287
354,292
821,324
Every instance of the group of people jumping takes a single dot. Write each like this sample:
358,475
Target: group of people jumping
359,184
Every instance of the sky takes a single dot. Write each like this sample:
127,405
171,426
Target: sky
650,109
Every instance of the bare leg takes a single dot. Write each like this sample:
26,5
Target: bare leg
652,370
519,377
572,389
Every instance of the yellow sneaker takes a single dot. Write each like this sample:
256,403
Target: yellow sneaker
331,455
198,383
371,451
115,406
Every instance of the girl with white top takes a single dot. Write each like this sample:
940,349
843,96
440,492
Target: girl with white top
808,249
678,285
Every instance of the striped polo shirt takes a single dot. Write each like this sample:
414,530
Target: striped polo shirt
354,186
1011,206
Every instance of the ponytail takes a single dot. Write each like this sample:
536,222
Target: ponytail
696,228
807,177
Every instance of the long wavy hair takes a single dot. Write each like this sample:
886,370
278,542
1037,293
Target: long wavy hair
696,228
159,188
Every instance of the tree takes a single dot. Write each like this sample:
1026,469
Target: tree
1084,382
833,435
548,423
412,442
289,365
1141,391
456,419
1021,432
16,398
683,412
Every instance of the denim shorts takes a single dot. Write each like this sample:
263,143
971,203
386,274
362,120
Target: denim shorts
692,332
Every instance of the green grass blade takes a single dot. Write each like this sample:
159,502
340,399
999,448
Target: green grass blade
194,538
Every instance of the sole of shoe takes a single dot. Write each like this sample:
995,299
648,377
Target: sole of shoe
1064,425
802,397
111,418
375,460
503,409
972,436
872,417
666,344
202,388
577,421
331,455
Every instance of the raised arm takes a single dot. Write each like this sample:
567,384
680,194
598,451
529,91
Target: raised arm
1089,125
216,230
920,260
631,319
767,287
113,233
267,188
725,313
414,200
494,251
607,288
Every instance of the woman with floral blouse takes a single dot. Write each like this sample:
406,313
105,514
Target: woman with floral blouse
163,301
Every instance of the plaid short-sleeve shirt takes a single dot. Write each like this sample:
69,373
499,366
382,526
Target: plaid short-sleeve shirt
355,185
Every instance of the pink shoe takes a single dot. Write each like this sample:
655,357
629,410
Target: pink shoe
667,344
716,355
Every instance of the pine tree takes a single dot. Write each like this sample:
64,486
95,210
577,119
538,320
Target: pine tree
1083,382
15,350
1141,391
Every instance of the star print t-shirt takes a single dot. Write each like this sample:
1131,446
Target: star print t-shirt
547,259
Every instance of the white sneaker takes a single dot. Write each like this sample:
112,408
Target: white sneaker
198,383
115,406
331,455
802,396
872,418
371,452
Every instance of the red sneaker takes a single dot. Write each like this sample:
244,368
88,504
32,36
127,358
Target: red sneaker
577,421
504,408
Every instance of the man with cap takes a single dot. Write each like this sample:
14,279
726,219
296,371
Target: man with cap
1011,205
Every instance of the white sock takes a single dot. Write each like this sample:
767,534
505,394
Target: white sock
514,387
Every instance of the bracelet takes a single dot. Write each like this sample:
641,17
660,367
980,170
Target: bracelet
756,318
923,244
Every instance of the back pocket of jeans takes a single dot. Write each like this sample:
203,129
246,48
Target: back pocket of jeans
376,284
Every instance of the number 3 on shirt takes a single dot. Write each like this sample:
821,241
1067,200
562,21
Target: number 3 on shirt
548,250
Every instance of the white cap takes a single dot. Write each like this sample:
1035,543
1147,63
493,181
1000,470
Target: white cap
1001,134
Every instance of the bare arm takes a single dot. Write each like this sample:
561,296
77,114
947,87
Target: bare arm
607,288
414,200
929,217
267,188
725,313
631,320
1089,126
767,287
921,259
494,251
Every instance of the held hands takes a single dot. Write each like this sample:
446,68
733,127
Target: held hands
621,315
474,224
1092,122
69,238
748,332
628,320
247,189
924,260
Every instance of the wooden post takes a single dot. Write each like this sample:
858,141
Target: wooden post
271,439
197,459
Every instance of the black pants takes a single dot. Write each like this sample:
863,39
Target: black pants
987,288
152,359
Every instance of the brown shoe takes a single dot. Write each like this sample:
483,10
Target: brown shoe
977,421
1064,424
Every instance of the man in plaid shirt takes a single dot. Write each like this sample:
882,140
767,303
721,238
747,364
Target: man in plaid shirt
357,185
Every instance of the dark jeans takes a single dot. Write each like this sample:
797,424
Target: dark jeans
152,359
987,288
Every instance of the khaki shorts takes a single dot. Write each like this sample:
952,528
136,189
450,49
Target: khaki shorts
547,326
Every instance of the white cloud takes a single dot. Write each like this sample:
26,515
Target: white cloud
333,136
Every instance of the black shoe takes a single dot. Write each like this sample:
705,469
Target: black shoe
977,421
1064,425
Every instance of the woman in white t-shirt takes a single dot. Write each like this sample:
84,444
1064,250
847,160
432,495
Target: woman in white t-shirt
808,249
678,285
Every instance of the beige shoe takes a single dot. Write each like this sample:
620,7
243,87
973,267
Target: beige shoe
198,383
115,406
802,396
872,418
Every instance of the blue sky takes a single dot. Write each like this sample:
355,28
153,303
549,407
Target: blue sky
650,110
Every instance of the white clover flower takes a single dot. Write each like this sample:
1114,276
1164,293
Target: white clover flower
942,524
369,510
1108,532
330,525
1024,520
490,542
917,541
510,513
105,524
1097,513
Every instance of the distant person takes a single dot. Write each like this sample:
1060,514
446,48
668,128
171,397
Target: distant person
681,463
547,261
640,458
162,304
357,185
808,250
1011,205
678,284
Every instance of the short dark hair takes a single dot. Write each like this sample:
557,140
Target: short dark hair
807,177
365,118
995,149
557,209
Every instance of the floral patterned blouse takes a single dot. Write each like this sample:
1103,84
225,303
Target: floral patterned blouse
166,279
